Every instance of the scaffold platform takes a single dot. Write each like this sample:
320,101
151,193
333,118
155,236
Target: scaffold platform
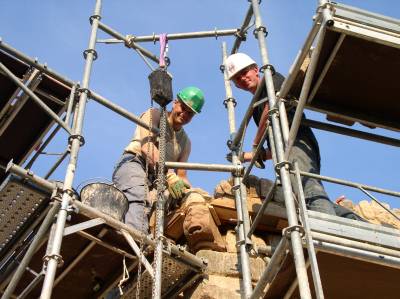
357,88
355,259
20,115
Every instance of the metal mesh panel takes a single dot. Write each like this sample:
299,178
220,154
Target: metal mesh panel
172,272
18,202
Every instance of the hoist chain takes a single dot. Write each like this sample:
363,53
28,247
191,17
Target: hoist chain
159,229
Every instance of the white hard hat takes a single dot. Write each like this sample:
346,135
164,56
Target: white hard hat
237,62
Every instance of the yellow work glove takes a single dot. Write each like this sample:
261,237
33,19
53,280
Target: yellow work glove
176,186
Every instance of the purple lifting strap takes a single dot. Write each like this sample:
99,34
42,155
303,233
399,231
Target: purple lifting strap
163,44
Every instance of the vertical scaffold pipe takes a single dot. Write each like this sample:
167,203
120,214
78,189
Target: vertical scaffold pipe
76,140
312,257
243,225
305,89
327,21
298,254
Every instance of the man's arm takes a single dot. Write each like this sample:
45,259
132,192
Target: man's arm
262,126
149,144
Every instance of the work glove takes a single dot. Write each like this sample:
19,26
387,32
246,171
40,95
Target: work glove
176,186
229,157
259,162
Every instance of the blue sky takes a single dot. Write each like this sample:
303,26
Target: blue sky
58,31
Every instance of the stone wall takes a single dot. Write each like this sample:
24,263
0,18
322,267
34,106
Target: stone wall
372,211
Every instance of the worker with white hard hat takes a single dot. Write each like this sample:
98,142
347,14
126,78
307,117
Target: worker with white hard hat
244,73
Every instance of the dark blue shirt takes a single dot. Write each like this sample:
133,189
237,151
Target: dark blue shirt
304,133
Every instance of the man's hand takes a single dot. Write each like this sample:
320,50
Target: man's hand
176,186
247,156
259,162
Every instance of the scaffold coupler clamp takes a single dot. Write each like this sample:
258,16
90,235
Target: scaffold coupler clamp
204,261
279,165
80,90
286,232
92,17
272,111
235,188
230,145
166,244
253,250
90,51
222,68
230,99
74,196
130,39
258,29
248,243
238,171
76,136
56,257
326,10
241,35
56,195
268,67
181,249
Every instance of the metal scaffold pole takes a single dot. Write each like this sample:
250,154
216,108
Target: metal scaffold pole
282,165
306,88
53,259
243,226
309,240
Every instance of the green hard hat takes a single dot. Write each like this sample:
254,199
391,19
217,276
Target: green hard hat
193,97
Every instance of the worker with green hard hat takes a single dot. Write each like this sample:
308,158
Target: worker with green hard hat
132,176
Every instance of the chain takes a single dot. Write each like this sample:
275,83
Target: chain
147,197
159,230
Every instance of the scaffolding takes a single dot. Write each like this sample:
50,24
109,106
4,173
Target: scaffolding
335,25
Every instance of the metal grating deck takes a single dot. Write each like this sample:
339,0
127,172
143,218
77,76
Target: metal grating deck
20,204
174,273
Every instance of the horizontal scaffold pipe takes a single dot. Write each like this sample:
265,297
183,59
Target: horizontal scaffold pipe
122,111
22,172
358,254
33,62
354,244
236,169
128,42
199,34
348,183
350,132
35,98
